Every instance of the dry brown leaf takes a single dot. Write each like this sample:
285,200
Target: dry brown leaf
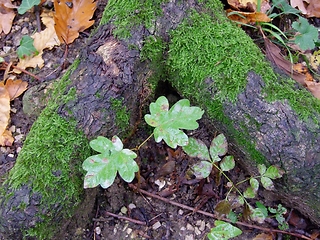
274,55
299,4
42,40
263,236
6,15
72,17
6,138
313,10
15,88
314,88
250,5
248,17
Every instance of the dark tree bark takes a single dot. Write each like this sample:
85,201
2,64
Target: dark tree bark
111,69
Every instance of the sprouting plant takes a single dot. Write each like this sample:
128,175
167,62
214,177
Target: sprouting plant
168,124
278,214
102,168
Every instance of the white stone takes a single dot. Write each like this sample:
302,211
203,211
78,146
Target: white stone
197,231
180,212
189,237
190,227
156,225
97,230
131,206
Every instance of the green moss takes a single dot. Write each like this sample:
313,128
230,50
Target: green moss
122,115
127,14
50,161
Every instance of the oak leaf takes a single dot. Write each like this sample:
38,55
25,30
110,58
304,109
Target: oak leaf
6,15
247,17
72,17
8,91
6,138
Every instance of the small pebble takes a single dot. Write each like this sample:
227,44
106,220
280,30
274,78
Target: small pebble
189,237
25,31
97,230
131,206
12,128
190,227
197,231
180,212
6,49
129,230
124,210
156,225
18,149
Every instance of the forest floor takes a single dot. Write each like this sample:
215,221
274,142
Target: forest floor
172,206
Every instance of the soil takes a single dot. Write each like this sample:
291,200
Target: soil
163,172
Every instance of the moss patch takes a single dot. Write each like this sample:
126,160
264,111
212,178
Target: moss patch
50,161
127,14
122,114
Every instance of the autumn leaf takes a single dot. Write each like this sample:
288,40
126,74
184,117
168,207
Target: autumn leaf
72,17
6,138
250,5
247,17
6,15
300,4
313,10
42,40
15,87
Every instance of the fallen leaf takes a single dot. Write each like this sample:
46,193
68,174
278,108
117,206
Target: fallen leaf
250,5
6,15
42,40
299,4
274,55
263,236
313,10
15,87
6,138
72,17
315,61
314,88
247,17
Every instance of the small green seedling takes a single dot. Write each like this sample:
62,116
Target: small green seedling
111,159
102,168
278,214
223,231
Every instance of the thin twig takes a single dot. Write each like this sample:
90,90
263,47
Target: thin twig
214,216
23,70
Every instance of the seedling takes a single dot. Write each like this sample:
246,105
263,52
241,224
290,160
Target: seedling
168,125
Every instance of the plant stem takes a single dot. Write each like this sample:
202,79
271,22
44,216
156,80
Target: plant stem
137,148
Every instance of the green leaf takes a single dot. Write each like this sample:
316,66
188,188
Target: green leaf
1,59
197,148
218,147
27,5
227,163
257,215
254,183
308,34
272,172
202,169
263,208
262,169
168,123
102,168
249,193
267,183
26,47
233,217
223,231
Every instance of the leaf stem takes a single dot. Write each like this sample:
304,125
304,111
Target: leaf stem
137,148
